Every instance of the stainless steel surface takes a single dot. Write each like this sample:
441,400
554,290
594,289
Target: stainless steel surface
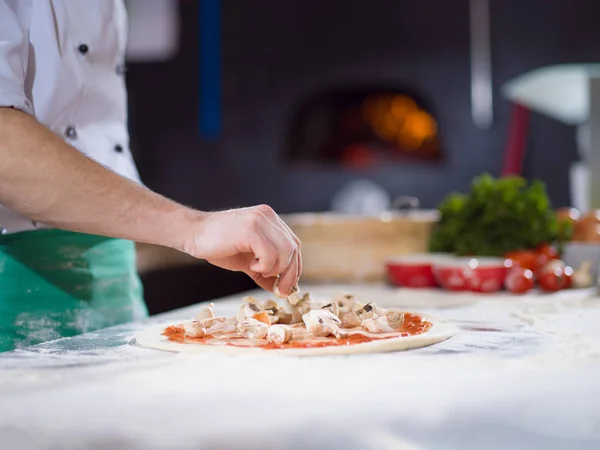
523,373
577,253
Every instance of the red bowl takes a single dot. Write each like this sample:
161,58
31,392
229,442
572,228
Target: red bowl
413,271
472,274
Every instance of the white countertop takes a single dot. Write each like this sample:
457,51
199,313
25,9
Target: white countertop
523,373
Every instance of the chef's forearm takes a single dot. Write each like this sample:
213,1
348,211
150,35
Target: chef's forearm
49,181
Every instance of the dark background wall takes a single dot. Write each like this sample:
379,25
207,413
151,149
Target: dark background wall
275,53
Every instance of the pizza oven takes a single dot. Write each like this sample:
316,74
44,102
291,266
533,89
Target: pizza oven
363,125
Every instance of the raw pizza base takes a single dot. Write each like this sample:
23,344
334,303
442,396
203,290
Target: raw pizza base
439,332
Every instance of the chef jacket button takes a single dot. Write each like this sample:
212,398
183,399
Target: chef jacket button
118,148
70,132
83,49
121,69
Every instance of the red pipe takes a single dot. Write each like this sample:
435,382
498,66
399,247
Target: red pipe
514,154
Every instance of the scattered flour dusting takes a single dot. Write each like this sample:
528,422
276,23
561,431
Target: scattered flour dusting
523,370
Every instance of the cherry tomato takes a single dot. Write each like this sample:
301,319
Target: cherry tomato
519,280
553,276
526,259
547,250
545,253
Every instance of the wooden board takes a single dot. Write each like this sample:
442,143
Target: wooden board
337,248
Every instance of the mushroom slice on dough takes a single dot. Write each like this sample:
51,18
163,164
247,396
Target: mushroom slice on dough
272,308
333,307
346,302
350,319
292,298
201,327
206,313
194,329
286,318
368,311
253,329
291,314
250,306
391,322
305,304
279,334
321,323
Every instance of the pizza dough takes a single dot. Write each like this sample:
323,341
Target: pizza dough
439,332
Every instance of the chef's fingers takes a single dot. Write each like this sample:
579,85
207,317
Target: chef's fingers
284,244
298,243
274,251
265,283
288,279
276,219
299,264
266,257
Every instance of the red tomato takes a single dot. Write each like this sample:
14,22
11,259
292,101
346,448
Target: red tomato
547,250
526,259
545,253
519,280
553,276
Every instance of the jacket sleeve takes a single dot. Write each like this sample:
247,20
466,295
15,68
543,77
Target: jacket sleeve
15,17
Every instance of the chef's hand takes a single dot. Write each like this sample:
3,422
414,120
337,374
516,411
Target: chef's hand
252,240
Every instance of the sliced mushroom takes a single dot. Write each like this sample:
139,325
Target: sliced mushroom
380,311
395,319
350,319
194,329
222,329
279,334
253,329
368,311
333,307
292,298
294,315
321,322
273,309
290,314
305,299
287,318
250,306
202,327
357,306
389,323
346,302
206,313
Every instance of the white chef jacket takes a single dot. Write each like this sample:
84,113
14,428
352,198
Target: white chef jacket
62,61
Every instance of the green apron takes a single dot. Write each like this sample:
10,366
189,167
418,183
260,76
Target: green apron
55,283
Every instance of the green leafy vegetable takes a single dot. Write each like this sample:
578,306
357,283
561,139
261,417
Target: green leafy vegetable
497,216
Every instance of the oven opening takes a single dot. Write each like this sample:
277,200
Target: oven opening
361,127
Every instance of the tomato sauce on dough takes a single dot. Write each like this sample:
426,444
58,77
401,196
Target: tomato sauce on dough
413,325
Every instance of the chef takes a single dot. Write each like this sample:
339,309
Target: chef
71,200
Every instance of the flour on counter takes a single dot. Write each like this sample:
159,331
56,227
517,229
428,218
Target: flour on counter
529,383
